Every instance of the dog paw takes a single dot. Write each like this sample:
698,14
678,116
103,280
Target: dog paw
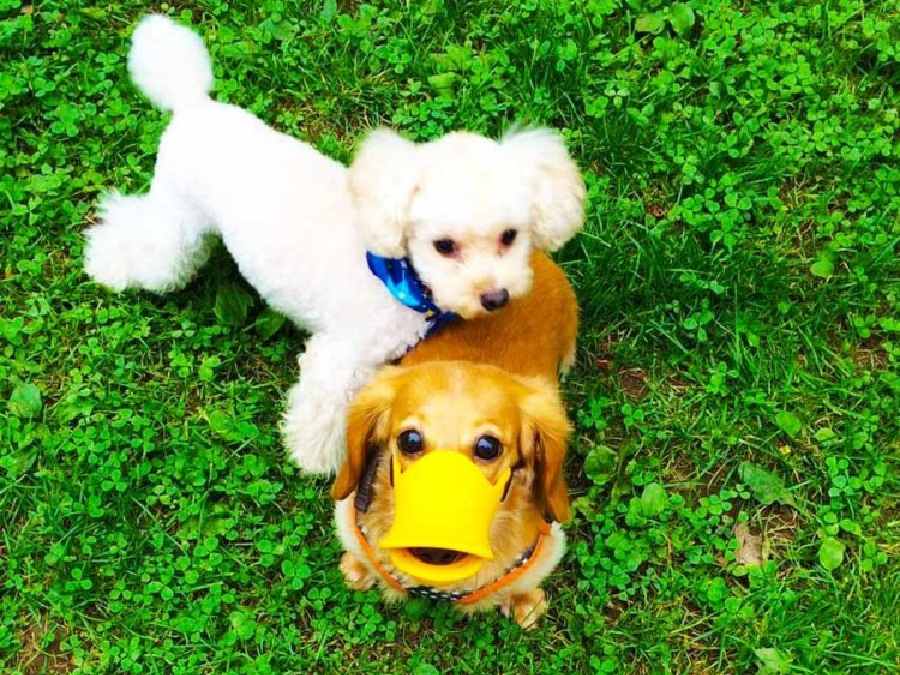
312,428
528,607
357,575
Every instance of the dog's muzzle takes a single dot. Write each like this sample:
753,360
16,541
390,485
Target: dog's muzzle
443,510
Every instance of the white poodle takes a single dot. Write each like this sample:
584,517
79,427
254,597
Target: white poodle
464,210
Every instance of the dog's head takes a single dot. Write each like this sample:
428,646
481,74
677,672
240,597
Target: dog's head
465,452
467,210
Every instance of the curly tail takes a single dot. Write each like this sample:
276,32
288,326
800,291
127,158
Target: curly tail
169,63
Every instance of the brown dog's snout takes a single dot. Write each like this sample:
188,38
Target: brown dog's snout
494,299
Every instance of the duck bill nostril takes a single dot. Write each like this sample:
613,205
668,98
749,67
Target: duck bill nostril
494,299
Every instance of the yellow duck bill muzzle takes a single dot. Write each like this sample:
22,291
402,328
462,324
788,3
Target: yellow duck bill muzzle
443,510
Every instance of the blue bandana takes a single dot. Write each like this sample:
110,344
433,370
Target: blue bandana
400,279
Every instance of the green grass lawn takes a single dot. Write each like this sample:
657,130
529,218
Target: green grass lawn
735,463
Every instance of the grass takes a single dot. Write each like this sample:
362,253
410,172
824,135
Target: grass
735,465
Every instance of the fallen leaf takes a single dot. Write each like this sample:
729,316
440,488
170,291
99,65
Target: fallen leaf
656,210
749,550
633,382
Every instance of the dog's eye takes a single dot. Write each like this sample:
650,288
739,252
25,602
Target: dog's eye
445,246
487,448
410,442
508,237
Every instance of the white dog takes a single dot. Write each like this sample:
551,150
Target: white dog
465,211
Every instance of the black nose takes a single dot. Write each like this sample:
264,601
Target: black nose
494,299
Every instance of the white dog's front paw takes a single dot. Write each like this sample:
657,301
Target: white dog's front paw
313,433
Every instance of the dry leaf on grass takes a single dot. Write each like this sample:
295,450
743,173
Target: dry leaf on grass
750,549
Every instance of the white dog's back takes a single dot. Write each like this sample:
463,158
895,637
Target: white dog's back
277,203
301,212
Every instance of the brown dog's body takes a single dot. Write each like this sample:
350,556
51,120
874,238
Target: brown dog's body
533,336
493,375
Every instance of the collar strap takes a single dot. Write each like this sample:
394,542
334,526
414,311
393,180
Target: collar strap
402,281
522,564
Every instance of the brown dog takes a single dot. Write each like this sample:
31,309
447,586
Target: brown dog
484,389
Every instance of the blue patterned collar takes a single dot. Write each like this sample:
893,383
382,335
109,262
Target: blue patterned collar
401,280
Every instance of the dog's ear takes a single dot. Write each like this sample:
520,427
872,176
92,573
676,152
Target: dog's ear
557,189
545,431
383,180
367,420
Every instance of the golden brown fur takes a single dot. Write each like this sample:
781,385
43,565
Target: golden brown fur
533,335
497,375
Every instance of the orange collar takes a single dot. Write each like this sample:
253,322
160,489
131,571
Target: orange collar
524,563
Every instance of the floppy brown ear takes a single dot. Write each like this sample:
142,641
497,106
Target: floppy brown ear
545,432
366,427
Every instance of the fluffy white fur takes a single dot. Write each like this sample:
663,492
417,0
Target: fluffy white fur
469,189
298,224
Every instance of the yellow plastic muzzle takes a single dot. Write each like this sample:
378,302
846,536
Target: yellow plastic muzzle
442,501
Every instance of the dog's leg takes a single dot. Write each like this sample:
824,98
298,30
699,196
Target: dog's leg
155,241
331,373
568,360
527,608
356,574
